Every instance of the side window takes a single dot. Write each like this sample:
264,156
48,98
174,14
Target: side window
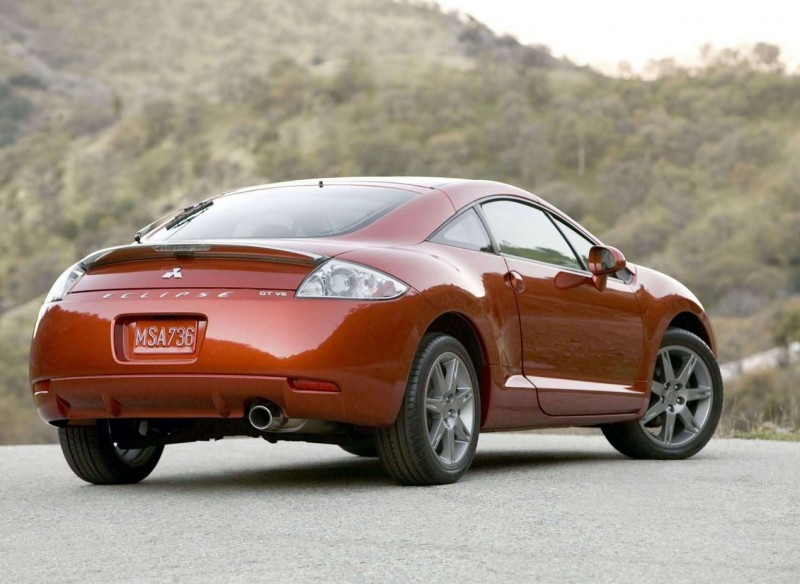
525,231
465,231
579,242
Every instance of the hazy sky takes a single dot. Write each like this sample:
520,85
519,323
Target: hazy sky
603,33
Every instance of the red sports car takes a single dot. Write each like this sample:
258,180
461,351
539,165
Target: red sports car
395,317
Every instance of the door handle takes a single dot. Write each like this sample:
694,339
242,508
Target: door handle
516,281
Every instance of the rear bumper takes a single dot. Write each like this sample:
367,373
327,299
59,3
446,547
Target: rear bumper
251,348
186,396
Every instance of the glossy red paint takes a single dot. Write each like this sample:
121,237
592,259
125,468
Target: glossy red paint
553,348
252,345
580,336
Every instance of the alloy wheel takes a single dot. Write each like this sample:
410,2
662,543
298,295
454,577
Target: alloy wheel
681,396
450,408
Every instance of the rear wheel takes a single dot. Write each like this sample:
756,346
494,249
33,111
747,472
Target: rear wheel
93,455
685,403
434,438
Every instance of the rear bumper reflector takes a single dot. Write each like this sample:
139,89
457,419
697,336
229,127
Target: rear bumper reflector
313,385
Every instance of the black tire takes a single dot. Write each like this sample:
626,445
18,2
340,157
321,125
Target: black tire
93,456
364,447
404,447
632,439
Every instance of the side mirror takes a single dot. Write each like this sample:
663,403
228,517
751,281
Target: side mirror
604,261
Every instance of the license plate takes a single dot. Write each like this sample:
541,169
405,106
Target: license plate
152,337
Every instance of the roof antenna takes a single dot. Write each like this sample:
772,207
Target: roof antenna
320,184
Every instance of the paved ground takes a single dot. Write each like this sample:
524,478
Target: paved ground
534,508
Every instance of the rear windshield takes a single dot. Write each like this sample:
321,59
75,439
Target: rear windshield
288,212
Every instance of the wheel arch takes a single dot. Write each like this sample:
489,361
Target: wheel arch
464,331
692,323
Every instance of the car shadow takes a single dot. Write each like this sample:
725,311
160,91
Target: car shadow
506,460
362,473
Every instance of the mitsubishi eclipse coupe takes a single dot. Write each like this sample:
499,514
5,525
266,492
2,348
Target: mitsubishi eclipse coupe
394,317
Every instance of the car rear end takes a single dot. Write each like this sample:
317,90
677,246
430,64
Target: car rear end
204,329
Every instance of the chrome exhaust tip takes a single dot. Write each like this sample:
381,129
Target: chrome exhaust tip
265,417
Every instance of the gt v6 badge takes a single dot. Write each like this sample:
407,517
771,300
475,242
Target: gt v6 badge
175,273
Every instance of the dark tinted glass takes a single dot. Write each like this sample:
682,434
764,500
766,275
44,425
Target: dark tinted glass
465,231
579,242
525,231
289,212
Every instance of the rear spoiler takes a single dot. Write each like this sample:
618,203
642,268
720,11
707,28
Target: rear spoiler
235,249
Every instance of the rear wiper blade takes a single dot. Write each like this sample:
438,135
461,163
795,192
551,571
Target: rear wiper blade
188,214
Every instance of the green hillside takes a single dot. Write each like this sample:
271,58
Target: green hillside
112,114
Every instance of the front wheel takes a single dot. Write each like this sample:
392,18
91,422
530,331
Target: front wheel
685,403
93,455
433,440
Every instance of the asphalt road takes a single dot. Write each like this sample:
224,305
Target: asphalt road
534,508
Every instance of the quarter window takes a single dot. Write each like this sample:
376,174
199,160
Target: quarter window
525,231
465,231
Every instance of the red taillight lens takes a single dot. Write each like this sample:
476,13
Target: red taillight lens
313,385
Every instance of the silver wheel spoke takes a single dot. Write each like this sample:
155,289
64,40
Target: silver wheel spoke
436,433
657,388
452,374
461,431
439,382
434,405
448,445
666,364
668,429
687,417
462,398
696,393
688,368
655,410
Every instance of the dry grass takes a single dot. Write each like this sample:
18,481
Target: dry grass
768,434
763,405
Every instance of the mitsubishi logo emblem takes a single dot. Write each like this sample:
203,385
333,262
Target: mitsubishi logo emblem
174,273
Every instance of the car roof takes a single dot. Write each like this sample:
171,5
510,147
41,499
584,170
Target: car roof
459,191
418,184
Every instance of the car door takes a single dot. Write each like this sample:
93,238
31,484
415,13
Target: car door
582,347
